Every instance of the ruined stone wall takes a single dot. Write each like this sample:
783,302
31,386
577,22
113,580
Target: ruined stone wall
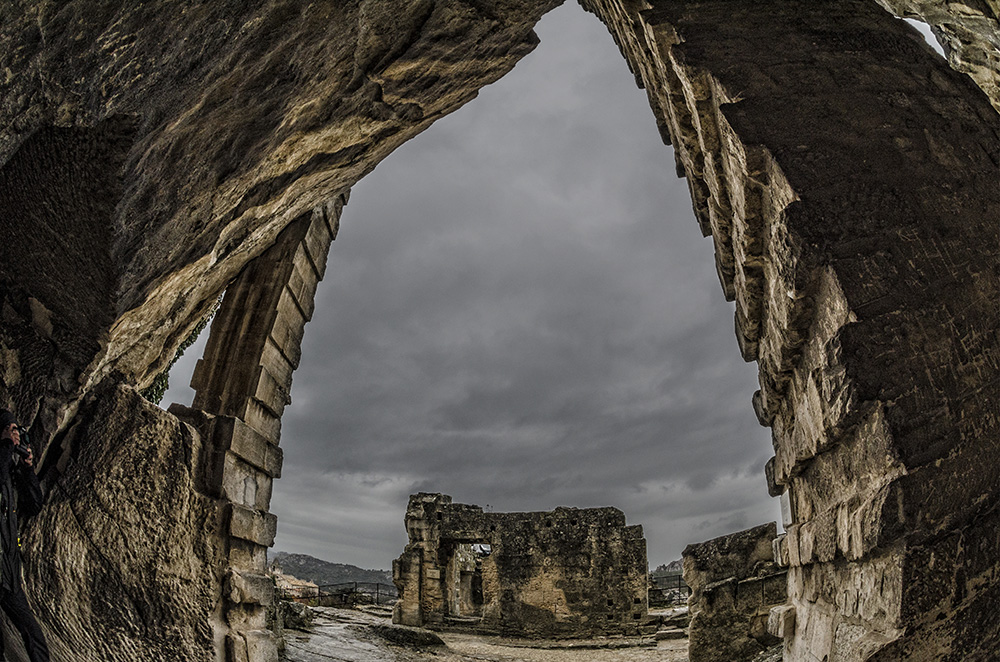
847,177
734,585
564,573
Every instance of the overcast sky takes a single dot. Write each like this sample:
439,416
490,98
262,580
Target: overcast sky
520,311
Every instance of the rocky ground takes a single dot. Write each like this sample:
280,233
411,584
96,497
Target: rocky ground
347,635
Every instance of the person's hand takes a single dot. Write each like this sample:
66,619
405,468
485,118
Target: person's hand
30,460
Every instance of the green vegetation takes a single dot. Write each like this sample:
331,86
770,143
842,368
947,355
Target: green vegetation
156,390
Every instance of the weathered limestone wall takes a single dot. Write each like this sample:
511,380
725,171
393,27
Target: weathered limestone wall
734,585
848,179
123,563
564,573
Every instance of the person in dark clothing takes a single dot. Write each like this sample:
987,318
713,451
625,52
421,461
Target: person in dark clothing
17,477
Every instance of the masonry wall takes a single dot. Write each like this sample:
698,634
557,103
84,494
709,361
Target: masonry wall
566,573
847,177
734,583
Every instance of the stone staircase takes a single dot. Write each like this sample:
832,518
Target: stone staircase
673,625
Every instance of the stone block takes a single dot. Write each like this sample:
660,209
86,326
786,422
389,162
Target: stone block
317,245
246,485
247,556
775,588
255,448
781,621
252,525
774,488
261,646
249,588
277,364
236,648
779,547
288,330
262,421
270,393
302,283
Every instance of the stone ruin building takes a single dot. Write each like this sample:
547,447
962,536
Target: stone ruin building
156,155
736,584
566,573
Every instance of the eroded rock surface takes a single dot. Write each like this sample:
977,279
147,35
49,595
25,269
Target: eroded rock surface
123,563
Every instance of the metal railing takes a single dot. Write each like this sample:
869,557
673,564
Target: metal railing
668,590
345,593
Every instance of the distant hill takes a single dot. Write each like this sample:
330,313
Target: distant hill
322,572
666,569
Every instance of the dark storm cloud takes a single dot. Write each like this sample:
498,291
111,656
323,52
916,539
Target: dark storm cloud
520,312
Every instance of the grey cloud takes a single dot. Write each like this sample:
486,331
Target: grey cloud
520,311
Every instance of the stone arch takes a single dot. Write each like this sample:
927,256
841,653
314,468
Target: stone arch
242,386
847,179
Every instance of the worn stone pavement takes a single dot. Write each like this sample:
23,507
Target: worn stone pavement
345,635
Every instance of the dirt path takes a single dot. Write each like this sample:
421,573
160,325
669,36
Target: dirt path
345,635
491,649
